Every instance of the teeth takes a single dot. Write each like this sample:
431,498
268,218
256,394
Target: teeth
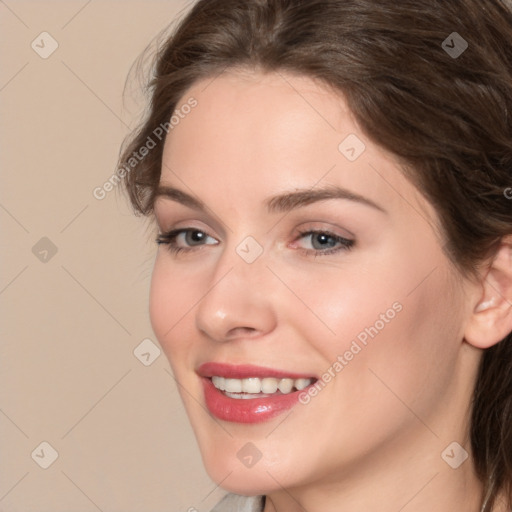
233,385
302,383
243,388
219,383
285,385
269,385
251,385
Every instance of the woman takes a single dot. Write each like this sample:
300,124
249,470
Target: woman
330,180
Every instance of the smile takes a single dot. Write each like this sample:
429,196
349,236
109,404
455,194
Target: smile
254,387
250,394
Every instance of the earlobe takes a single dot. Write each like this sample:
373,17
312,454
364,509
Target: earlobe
491,319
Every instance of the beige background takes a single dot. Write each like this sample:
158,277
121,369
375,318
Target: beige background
71,321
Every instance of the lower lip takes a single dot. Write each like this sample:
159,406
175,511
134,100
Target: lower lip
251,410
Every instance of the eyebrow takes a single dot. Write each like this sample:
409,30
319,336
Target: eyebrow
277,204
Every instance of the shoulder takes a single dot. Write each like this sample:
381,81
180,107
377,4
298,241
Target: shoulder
236,503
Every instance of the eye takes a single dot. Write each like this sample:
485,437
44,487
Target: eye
325,242
190,237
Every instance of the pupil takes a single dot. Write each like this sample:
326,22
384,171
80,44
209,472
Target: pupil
196,236
323,238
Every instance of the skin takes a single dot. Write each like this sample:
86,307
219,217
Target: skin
381,423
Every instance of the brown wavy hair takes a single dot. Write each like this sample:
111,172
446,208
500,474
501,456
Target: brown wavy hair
447,117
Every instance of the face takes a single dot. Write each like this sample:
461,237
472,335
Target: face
303,260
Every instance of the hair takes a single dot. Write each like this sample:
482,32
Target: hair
447,117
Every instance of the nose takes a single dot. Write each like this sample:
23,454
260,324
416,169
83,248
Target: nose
239,301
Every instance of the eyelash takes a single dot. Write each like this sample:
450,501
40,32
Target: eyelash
169,239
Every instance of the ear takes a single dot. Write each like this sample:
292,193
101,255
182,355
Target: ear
491,319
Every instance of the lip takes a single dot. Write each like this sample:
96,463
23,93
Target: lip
253,410
245,371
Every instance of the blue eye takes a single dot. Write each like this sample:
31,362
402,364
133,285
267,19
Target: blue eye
323,242
192,237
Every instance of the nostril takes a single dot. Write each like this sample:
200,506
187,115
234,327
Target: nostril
237,332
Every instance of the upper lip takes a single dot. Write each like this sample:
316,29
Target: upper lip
244,371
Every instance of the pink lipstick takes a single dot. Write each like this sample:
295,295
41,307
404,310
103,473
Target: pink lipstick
250,394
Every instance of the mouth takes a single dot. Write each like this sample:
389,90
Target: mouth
250,394
255,387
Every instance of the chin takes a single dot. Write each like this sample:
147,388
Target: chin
246,482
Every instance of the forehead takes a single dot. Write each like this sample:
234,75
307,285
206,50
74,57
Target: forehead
264,133
243,110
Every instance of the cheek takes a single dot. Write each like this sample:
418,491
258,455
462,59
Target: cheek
408,355
392,319
171,301
334,305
